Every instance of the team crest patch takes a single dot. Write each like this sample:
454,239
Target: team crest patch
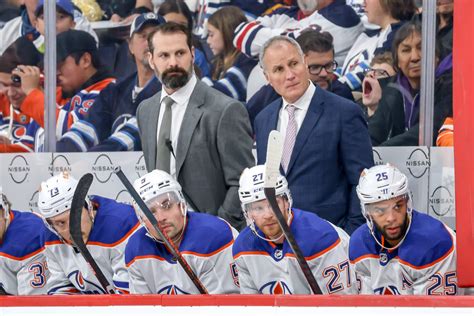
275,287
171,290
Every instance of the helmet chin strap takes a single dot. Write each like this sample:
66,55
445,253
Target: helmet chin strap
290,216
371,228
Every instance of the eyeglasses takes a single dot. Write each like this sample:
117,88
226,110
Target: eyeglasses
376,73
316,69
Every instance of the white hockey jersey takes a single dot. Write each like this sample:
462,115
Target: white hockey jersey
266,268
206,246
337,18
23,269
424,264
70,273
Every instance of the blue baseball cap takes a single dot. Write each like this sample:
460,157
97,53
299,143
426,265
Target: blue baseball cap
144,19
66,5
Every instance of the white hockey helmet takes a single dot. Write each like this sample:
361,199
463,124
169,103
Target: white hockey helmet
5,206
381,183
55,195
156,183
251,185
251,190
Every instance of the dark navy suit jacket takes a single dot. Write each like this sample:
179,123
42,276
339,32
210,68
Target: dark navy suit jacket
331,150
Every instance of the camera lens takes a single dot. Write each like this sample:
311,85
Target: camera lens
16,79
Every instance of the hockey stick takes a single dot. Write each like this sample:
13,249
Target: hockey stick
166,240
2,290
272,170
76,231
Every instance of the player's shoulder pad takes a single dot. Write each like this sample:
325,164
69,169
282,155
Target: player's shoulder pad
114,222
428,242
140,245
24,237
362,244
206,235
308,227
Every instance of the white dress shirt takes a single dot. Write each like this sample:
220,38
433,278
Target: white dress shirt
181,98
301,105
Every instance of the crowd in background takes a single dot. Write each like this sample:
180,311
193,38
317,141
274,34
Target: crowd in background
369,52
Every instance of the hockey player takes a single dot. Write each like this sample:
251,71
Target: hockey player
205,241
106,226
23,269
399,250
264,259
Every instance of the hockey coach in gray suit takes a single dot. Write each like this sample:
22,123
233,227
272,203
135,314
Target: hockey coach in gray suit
197,134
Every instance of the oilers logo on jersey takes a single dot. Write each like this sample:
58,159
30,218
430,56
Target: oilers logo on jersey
81,283
171,290
387,290
275,287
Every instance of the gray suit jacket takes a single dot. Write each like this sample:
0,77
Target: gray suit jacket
214,147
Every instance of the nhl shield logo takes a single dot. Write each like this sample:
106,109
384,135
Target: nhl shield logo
383,258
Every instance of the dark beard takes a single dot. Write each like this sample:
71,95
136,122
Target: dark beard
175,81
390,240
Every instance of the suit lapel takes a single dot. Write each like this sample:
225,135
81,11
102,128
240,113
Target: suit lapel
270,125
153,119
191,118
315,110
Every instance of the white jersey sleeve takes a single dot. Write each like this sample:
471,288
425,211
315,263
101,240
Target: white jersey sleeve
138,284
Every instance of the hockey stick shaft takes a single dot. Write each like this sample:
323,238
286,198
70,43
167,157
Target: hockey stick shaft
163,236
272,166
75,229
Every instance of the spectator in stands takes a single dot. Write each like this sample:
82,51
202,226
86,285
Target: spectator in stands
205,240
396,121
375,78
446,133
13,123
319,58
326,137
333,16
23,269
111,124
199,135
400,251
178,11
230,68
389,15
64,18
25,25
106,226
80,78
444,10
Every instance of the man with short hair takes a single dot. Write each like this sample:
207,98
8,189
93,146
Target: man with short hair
205,242
400,251
105,225
111,124
319,57
80,78
13,123
23,269
197,134
326,145
265,261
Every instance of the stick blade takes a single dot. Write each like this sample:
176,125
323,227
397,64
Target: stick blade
274,154
76,207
